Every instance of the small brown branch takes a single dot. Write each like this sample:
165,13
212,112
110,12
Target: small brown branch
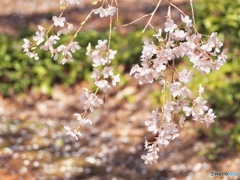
146,15
152,14
178,9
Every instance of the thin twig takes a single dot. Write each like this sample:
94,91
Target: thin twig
193,13
88,17
152,14
117,14
169,10
173,61
152,27
146,15
110,35
178,9
59,17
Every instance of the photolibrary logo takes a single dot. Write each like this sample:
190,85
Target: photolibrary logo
229,174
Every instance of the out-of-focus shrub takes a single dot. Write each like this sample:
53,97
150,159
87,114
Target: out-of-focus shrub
223,87
18,72
223,16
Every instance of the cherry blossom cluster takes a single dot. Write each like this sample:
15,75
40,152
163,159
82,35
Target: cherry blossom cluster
102,73
158,60
101,56
104,12
89,101
49,43
75,132
104,79
157,64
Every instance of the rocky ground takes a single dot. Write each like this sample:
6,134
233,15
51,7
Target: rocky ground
34,145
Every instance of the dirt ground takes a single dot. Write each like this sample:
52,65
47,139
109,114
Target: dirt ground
33,143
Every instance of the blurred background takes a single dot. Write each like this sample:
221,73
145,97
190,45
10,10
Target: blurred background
37,98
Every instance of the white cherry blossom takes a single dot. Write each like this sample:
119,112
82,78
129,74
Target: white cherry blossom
170,26
201,106
115,79
111,10
175,89
185,76
104,12
66,30
186,20
73,132
73,46
209,117
39,35
101,11
82,121
26,46
102,45
90,100
58,21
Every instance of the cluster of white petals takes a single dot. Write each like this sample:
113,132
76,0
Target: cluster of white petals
39,35
27,49
101,56
82,122
73,132
90,100
206,56
104,12
166,133
103,74
157,64
104,78
49,42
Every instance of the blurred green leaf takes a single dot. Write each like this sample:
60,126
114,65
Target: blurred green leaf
222,87
18,72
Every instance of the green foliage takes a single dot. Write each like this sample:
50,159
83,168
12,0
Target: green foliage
235,136
223,86
225,141
18,72
222,16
